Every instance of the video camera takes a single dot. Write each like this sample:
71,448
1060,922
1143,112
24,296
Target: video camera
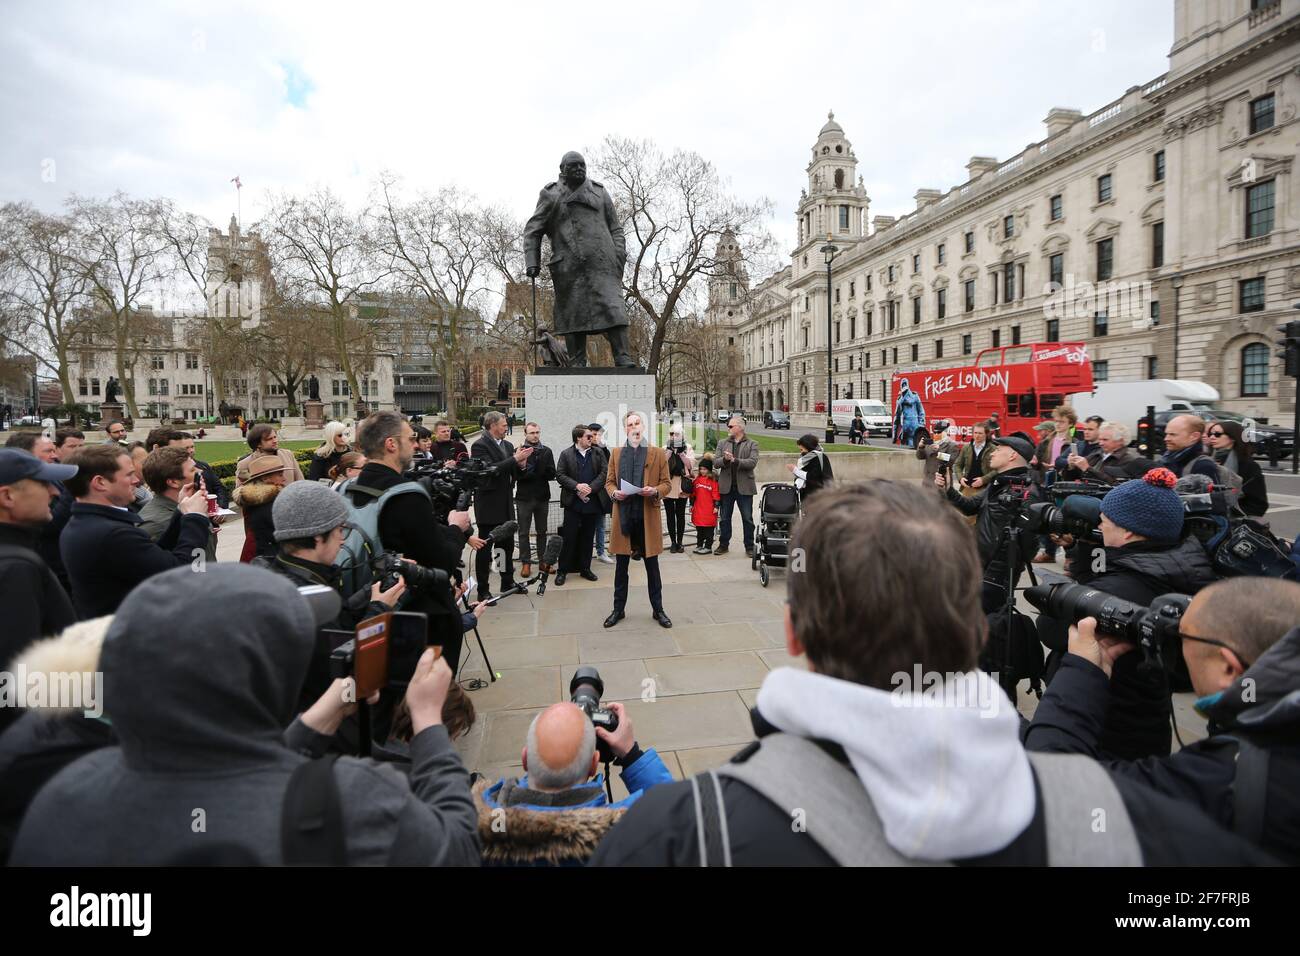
1077,515
452,489
585,690
1148,627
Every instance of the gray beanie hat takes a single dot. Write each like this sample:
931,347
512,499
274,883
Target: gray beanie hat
305,509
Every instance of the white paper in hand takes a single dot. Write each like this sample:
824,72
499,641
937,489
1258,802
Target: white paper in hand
627,487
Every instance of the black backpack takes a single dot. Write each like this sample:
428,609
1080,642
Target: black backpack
1022,659
311,822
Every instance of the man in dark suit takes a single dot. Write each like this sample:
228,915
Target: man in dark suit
494,501
533,496
580,474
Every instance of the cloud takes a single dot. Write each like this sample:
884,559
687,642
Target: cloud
175,99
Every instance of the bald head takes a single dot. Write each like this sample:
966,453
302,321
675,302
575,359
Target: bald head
561,750
1249,614
1183,431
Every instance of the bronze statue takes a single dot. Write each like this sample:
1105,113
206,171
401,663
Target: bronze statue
313,389
551,352
587,257
110,391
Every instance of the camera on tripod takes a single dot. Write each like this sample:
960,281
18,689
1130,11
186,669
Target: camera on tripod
1148,627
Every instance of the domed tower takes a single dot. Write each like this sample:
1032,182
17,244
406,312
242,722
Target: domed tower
835,201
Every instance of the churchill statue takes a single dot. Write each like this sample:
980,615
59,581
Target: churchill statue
587,257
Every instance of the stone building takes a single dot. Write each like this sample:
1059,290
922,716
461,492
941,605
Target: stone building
1163,229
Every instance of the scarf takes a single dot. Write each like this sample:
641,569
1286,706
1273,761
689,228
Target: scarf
631,468
1227,457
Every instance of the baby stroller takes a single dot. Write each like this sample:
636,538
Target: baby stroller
778,509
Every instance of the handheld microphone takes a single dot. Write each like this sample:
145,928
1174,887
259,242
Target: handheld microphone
550,558
503,532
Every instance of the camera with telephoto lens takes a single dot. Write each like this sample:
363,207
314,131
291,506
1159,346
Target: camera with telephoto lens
388,566
1148,627
585,690
1078,515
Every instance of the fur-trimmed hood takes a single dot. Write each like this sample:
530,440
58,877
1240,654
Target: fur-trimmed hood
254,493
74,651
514,836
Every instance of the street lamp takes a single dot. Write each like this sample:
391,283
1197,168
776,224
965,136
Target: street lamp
829,252
1177,283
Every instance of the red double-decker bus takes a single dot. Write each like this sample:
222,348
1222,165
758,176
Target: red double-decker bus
1022,383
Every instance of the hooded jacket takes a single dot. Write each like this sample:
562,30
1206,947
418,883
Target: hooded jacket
204,758
46,738
255,499
557,829
948,779
1070,717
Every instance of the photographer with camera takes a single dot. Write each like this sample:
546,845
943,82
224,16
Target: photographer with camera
494,501
996,507
1112,461
1144,555
892,747
1242,649
565,746
202,721
447,449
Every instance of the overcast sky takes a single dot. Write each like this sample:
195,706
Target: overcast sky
176,98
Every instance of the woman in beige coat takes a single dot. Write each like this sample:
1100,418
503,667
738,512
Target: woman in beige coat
645,539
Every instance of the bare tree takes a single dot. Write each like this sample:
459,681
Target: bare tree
436,245
42,290
707,363
119,253
285,343
324,256
674,210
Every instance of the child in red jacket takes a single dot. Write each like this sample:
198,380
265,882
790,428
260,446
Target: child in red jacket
704,512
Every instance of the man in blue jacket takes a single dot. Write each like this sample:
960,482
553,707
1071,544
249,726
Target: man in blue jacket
531,820
104,549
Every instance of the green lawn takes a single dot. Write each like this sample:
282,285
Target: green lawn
695,436
226,450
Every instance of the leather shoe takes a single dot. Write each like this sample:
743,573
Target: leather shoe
588,576
662,618
526,570
722,549
614,618
485,595
559,579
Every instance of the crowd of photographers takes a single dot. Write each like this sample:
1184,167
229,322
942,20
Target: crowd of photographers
257,733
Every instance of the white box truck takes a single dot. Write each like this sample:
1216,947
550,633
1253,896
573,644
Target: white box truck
1126,402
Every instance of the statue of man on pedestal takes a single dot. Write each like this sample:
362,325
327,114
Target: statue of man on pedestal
587,257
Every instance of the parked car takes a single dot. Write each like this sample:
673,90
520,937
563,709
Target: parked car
776,419
1266,436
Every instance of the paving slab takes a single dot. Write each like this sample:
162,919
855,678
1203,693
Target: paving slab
712,638
778,657
704,758
692,721
704,673
521,687
620,644
529,651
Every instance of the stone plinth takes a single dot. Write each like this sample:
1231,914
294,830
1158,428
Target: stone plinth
314,414
558,399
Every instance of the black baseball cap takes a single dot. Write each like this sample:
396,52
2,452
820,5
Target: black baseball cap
1018,442
17,465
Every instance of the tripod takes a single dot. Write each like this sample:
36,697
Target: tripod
1005,662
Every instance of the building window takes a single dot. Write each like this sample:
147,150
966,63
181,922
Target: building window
837,333
844,219
965,344
1009,281
1103,188
853,326
733,290
884,357
1252,295
1254,371
191,360
1101,371
1259,210
891,273
1158,164
1055,207
868,282
1261,114
997,338
837,365
916,264
1153,367
869,317
894,352
1015,335
1008,226
916,352
153,386
81,387
866,360
969,288
941,303
852,292
1155,312
1053,333
94,386
1157,245
837,296
1105,258
1101,323
916,310
942,253
156,362
970,241
805,337
1056,269
938,348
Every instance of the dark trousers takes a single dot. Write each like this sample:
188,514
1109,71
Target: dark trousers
485,557
532,515
576,344
676,511
621,562
746,503
579,534
704,537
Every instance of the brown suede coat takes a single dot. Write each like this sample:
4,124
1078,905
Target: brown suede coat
656,474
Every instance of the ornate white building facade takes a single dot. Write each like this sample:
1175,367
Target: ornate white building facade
1163,229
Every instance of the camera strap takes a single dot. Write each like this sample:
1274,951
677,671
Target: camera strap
311,821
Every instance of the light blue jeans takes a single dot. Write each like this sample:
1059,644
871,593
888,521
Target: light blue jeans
600,535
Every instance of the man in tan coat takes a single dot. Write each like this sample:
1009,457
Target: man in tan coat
635,529
263,440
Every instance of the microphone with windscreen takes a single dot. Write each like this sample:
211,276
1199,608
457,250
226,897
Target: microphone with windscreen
503,532
550,559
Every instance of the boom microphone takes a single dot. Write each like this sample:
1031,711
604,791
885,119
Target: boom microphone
550,558
503,532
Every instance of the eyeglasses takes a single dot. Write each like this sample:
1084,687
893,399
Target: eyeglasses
1245,664
1215,434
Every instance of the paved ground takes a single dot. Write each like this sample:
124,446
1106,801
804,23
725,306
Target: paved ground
688,689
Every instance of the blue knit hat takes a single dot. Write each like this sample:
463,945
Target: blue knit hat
1148,506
